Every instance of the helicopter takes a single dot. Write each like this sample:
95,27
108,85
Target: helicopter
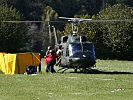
78,53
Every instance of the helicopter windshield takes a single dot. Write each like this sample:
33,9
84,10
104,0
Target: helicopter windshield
89,50
74,47
76,50
88,47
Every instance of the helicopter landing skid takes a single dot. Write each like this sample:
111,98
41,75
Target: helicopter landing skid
64,69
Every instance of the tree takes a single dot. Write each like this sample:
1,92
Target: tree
119,35
49,14
66,8
12,35
31,9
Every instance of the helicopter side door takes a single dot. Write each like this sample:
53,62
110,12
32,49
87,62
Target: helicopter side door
65,56
68,53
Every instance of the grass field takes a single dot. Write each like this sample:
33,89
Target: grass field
110,80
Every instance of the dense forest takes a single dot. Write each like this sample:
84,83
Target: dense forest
109,38
33,9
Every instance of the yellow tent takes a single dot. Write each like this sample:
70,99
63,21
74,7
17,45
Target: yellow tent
16,63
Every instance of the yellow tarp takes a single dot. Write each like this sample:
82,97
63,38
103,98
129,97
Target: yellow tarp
16,63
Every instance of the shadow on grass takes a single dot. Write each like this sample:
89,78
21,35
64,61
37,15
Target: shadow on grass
95,71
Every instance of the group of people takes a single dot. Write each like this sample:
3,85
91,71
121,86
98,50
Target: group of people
51,57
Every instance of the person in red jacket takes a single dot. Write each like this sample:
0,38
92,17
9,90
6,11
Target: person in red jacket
50,60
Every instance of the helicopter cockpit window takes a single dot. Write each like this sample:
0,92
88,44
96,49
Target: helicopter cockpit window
64,39
88,47
84,39
78,50
75,39
89,50
74,48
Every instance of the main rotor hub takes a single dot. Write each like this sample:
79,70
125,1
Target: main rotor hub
74,28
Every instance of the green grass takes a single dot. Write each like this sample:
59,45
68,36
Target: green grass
111,80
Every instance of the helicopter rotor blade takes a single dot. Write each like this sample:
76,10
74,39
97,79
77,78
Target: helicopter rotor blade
109,20
21,21
75,19
91,20
69,20
6,21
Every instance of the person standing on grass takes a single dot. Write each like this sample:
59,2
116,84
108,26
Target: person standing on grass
50,61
